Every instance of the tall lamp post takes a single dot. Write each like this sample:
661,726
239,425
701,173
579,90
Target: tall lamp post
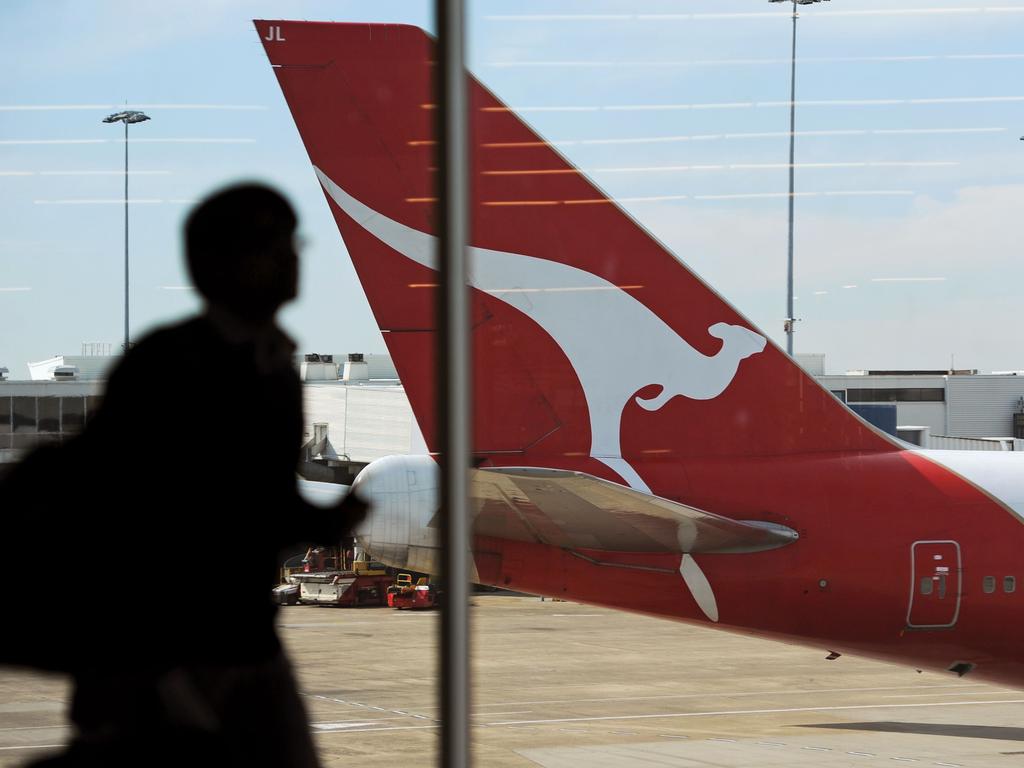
454,377
127,117
790,322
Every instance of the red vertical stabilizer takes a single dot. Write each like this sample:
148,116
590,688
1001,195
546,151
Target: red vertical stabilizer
594,347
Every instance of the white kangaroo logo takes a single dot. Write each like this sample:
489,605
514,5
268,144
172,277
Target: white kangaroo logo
587,316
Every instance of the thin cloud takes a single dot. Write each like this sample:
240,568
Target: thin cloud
655,64
669,198
100,201
700,137
869,193
782,15
923,131
18,142
832,193
115,201
727,167
652,198
757,104
998,9
16,289
103,173
29,142
908,279
62,107
186,141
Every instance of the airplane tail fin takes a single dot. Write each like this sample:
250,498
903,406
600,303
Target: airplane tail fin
594,347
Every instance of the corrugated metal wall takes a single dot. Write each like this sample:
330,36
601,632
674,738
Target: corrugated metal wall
364,422
941,442
982,406
931,415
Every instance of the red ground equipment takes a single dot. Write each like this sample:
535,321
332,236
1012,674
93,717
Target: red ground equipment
319,581
404,594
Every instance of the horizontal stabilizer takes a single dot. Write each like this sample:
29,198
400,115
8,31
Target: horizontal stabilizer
574,510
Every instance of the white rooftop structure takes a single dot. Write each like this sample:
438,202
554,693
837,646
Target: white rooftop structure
90,367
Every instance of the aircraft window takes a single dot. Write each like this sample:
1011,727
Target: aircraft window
24,414
988,585
49,414
926,585
902,395
5,415
1009,584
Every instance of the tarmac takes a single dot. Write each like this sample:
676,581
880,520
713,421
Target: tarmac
559,684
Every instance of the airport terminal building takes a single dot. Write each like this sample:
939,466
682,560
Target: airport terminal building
357,411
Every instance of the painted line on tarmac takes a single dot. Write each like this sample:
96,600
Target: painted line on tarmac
495,714
341,726
714,694
951,693
402,713
386,728
35,746
362,720
44,727
777,710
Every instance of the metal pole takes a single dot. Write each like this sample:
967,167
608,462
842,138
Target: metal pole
126,342
790,319
454,381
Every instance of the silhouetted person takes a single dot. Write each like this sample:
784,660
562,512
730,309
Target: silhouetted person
173,506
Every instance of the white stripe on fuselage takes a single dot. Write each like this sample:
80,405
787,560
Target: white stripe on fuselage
998,473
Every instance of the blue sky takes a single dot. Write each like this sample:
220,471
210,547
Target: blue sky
910,172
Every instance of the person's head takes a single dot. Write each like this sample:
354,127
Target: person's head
239,245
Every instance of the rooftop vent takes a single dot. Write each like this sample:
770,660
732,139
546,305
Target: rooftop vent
356,369
65,373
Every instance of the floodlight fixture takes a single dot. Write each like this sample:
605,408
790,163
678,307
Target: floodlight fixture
130,116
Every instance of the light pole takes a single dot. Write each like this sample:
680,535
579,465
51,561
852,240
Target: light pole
126,117
790,322
454,377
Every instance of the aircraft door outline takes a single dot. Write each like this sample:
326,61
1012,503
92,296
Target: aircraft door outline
936,581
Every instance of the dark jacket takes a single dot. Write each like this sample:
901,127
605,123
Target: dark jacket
168,513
